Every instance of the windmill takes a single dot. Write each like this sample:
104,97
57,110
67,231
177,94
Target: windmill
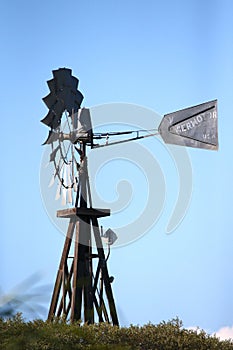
83,287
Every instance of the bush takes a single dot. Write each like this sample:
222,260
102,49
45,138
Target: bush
39,335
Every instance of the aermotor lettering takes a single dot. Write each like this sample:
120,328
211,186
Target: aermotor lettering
194,122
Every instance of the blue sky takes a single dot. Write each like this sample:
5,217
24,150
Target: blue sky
164,56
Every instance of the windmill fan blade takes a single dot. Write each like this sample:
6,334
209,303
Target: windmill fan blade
53,119
64,175
64,190
64,78
56,122
74,83
59,107
78,98
48,119
75,187
50,100
74,173
52,180
69,183
53,154
63,96
53,136
51,84
72,100
69,195
49,138
58,193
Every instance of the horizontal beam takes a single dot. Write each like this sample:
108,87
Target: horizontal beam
91,212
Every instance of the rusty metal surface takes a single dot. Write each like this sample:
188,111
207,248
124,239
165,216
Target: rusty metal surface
192,127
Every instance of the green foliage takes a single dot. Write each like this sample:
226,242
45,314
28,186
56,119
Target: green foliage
15,334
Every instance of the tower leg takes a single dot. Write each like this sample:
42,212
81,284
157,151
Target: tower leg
64,257
105,275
